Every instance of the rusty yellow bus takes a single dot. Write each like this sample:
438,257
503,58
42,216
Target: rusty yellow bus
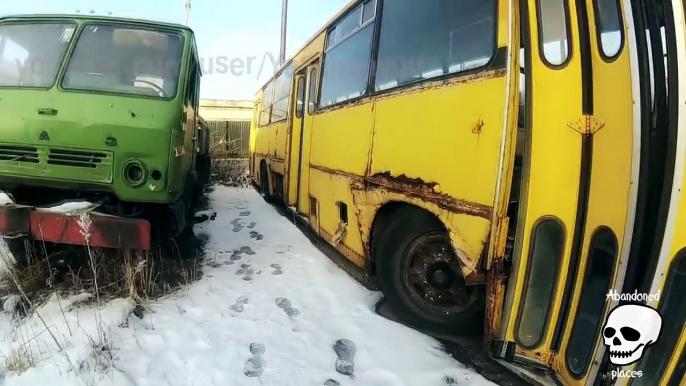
498,164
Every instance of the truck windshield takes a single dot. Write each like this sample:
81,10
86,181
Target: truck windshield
125,60
31,54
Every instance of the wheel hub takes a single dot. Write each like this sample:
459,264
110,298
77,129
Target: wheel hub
432,276
442,277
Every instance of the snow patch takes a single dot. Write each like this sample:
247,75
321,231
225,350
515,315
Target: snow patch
73,207
311,324
5,199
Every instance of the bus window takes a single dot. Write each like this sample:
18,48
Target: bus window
609,25
423,40
546,254
282,93
300,99
313,91
554,31
347,59
266,111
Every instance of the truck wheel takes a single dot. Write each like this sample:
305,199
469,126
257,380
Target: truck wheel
420,275
17,248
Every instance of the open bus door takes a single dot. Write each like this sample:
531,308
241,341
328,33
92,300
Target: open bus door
577,196
659,264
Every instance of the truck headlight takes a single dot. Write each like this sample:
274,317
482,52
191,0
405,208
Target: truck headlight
134,173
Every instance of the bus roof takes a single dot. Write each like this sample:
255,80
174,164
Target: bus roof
91,17
333,20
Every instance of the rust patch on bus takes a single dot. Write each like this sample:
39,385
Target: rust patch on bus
495,298
369,194
337,172
419,188
353,256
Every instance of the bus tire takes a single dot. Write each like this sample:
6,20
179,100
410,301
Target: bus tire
395,250
264,182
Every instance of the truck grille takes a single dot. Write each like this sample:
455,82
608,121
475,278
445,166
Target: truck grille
75,158
19,154
56,163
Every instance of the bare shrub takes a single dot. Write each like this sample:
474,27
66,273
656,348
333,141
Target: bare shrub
231,172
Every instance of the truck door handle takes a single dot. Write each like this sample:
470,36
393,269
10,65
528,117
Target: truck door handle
47,111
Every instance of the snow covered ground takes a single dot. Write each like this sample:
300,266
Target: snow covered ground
271,309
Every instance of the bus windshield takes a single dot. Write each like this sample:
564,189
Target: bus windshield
31,54
125,60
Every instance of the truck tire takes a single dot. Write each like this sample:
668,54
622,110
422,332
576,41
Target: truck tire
420,275
17,248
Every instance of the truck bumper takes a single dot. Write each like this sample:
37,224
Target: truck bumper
94,229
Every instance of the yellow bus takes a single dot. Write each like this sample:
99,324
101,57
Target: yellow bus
499,164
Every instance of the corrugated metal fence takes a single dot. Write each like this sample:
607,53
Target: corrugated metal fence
229,139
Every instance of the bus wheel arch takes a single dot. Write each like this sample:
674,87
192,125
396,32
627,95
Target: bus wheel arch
419,271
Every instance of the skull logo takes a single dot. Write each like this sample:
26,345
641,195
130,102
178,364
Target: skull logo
629,330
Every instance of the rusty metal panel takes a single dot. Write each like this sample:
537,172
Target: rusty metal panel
100,230
229,138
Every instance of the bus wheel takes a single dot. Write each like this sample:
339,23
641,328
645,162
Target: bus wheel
421,278
264,182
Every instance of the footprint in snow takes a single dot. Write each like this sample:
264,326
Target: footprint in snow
345,351
228,262
243,214
255,365
247,250
239,305
450,381
252,225
285,304
237,226
236,255
331,382
247,272
277,269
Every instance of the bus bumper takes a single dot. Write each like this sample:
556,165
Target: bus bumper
93,229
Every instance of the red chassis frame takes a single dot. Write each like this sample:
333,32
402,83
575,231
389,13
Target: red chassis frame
103,230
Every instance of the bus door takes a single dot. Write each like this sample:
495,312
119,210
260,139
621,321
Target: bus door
576,196
664,265
306,86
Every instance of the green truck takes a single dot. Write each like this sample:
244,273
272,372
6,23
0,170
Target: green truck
104,110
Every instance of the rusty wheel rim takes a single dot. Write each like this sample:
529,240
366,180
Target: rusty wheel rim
431,276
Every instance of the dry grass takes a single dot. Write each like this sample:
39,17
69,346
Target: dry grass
104,273
231,172
107,273
101,274
19,360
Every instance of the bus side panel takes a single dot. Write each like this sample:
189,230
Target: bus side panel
331,190
280,140
261,144
339,153
456,154
341,139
